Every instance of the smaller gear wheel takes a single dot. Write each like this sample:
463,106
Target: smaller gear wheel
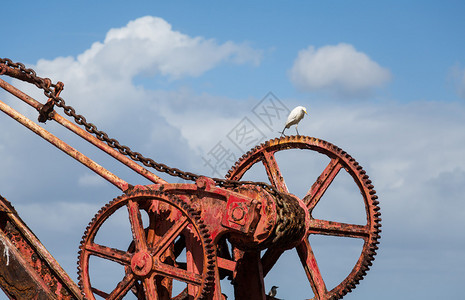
152,265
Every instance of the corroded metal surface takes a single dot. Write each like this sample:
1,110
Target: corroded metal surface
246,216
28,271
52,115
118,182
219,226
339,159
154,253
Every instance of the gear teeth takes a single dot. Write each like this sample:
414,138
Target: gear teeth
368,264
351,166
211,266
211,272
195,213
202,235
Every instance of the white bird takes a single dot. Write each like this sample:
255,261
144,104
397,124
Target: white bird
273,291
294,118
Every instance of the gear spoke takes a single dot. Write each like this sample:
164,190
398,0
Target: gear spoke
317,190
137,227
151,229
269,259
150,289
178,274
273,171
122,288
100,293
169,237
338,229
112,254
307,258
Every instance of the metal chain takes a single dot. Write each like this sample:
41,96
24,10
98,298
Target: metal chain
19,71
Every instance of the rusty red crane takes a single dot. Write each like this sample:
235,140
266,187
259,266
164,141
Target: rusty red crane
188,234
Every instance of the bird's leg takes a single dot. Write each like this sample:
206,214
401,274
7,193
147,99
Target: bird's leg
296,130
282,133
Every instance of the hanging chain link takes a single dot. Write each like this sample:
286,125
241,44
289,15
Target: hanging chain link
51,91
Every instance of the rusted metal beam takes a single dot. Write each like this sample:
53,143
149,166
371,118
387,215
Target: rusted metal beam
112,178
28,270
82,133
248,278
16,279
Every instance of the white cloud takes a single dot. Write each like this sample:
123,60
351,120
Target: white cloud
341,69
99,81
150,45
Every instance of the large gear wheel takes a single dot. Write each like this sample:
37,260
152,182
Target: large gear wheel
339,160
152,263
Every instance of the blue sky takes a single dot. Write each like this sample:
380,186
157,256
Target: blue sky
425,34
383,81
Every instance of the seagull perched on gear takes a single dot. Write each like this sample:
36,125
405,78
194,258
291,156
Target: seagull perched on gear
294,118
273,291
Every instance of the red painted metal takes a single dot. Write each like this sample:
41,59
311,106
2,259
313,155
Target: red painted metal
82,133
28,270
197,233
249,276
107,175
339,160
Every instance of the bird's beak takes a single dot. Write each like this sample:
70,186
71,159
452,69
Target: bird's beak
305,112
